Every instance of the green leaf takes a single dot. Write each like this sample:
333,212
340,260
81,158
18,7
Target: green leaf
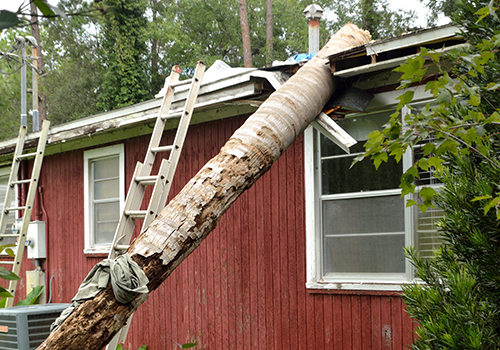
44,7
483,12
378,158
8,19
119,347
480,198
3,301
405,98
144,347
189,345
444,96
10,252
8,275
422,207
491,204
410,202
32,297
4,293
427,194
4,247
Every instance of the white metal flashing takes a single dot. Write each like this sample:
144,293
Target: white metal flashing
412,39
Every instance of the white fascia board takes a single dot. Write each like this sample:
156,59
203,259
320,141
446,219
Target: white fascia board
334,132
425,36
229,88
392,63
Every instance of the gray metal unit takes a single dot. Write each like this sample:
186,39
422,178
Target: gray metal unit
26,327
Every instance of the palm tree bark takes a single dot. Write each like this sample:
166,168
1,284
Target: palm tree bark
196,210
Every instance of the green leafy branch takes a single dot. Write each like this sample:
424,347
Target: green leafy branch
462,120
31,298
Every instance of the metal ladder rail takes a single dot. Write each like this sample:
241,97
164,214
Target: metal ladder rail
28,207
159,198
12,178
142,175
137,188
162,181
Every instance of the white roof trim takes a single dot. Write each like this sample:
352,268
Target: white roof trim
413,39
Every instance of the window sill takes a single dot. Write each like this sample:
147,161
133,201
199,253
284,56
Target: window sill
96,252
359,288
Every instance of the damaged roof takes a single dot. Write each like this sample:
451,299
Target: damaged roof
227,92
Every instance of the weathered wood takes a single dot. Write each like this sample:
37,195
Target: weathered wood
196,210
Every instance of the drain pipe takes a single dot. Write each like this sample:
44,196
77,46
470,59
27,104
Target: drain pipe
313,13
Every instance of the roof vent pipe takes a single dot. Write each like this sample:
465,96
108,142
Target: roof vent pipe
313,13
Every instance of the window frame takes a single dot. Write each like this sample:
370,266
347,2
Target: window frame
88,156
315,279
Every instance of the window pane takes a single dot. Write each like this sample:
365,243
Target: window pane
364,254
363,215
338,177
107,211
106,168
106,189
427,237
104,232
106,220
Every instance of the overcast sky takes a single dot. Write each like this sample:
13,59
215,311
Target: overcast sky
13,5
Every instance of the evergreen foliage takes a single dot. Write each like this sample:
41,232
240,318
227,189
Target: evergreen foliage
123,54
458,304
119,52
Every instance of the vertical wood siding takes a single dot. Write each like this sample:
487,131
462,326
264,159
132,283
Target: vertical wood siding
244,287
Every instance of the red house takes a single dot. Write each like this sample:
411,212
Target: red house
311,257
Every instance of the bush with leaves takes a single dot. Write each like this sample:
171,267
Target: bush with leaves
458,303
32,297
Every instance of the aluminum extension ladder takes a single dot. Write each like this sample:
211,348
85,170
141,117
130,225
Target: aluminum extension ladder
142,175
26,209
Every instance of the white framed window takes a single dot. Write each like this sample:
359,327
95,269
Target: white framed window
357,223
11,218
104,195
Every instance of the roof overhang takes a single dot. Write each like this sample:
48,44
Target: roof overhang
235,91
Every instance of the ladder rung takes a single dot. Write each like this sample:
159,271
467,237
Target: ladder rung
135,214
21,182
171,116
162,148
15,208
3,262
27,155
146,180
9,236
121,247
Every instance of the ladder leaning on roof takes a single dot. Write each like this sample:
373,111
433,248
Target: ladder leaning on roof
142,175
26,209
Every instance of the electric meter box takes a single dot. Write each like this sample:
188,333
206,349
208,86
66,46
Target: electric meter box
35,240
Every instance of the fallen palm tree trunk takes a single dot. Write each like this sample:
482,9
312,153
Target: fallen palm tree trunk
196,210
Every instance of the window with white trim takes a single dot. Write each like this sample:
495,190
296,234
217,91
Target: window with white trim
104,189
357,222
11,218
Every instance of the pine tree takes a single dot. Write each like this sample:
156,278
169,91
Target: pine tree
124,54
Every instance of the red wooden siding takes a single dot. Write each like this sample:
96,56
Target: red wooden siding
244,287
